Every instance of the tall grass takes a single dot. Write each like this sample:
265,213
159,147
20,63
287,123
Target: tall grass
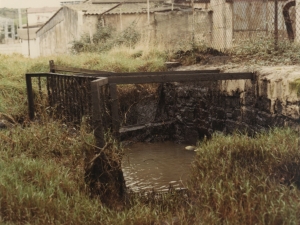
235,180
13,68
242,180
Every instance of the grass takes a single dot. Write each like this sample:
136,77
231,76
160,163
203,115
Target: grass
235,179
13,97
261,51
242,180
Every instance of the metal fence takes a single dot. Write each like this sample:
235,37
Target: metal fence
260,19
223,24
237,21
70,99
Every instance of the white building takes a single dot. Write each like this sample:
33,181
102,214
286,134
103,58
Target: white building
38,16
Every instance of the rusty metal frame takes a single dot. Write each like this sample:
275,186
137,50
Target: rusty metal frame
99,79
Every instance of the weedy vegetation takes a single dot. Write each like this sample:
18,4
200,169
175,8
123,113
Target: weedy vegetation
261,51
236,179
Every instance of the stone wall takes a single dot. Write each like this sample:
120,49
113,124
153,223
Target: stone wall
199,109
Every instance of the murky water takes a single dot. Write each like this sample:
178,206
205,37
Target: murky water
156,165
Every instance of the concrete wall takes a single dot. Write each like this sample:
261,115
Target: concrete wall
222,27
169,28
182,28
8,49
34,48
172,28
56,35
122,21
21,48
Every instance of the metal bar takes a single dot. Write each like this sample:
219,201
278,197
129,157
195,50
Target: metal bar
40,86
38,74
106,113
68,99
114,110
63,97
168,73
249,30
179,78
48,90
30,97
77,103
77,70
108,74
52,66
71,93
54,93
96,113
59,98
288,21
88,97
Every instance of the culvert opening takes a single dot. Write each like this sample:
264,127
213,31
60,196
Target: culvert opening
174,120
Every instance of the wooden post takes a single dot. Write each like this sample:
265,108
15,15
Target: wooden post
114,110
52,66
96,110
30,96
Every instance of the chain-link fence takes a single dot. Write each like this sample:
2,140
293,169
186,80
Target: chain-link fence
221,24
256,20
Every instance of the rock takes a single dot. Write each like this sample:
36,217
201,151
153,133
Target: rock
7,118
190,148
6,121
172,64
2,125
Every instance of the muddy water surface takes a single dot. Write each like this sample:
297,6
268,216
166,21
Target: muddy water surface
156,165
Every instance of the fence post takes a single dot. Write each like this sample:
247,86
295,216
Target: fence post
52,66
114,110
276,26
96,111
30,96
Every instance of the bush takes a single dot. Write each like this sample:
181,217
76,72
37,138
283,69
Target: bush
105,39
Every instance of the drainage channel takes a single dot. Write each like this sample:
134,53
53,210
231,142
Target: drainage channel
156,166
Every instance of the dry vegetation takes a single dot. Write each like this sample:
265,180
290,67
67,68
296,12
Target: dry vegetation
235,179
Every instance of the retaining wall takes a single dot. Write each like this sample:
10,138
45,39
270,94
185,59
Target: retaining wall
199,109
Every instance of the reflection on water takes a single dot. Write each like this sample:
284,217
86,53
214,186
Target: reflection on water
156,165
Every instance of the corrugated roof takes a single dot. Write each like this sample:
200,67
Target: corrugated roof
125,8
88,7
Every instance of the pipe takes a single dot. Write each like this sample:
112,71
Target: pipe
287,19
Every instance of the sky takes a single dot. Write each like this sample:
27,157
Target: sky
29,3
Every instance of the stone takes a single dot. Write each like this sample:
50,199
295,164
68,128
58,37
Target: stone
3,124
190,148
